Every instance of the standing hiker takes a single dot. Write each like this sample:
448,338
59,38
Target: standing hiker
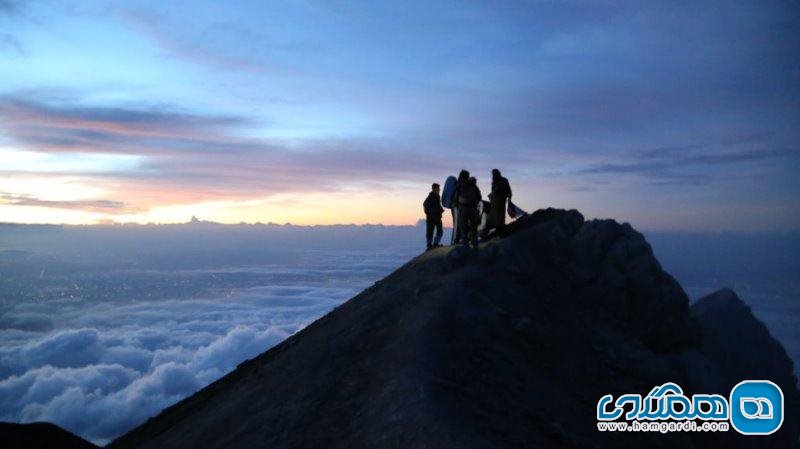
501,192
458,236
433,216
469,196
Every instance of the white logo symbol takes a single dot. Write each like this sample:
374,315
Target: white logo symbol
763,408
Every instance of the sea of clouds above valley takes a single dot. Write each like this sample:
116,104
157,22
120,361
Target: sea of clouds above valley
112,366
100,363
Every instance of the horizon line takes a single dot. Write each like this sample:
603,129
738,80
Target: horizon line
371,225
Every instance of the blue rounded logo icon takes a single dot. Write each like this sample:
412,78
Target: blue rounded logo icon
756,407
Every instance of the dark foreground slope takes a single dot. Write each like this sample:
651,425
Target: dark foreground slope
39,435
509,347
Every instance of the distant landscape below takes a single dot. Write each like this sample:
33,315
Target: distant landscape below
102,327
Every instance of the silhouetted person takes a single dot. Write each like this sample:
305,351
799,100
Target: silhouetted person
463,180
433,216
501,192
469,196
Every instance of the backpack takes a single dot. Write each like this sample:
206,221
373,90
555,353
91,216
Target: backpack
448,191
469,195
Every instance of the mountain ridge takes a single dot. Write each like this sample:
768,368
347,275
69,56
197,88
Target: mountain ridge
510,346
40,435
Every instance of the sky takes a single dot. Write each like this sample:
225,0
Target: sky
674,116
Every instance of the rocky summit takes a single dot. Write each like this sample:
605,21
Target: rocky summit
39,435
510,346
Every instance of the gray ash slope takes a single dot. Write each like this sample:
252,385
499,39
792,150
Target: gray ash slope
508,347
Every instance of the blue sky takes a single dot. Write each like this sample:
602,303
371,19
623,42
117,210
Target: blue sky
670,115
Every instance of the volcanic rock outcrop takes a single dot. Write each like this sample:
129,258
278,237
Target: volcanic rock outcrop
39,435
508,347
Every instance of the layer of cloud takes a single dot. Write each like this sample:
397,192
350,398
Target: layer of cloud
667,166
10,6
99,367
106,206
9,43
188,158
139,358
175,44
48,127
118,385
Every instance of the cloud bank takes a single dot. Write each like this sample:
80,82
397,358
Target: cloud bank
98,344
189,157
137,359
